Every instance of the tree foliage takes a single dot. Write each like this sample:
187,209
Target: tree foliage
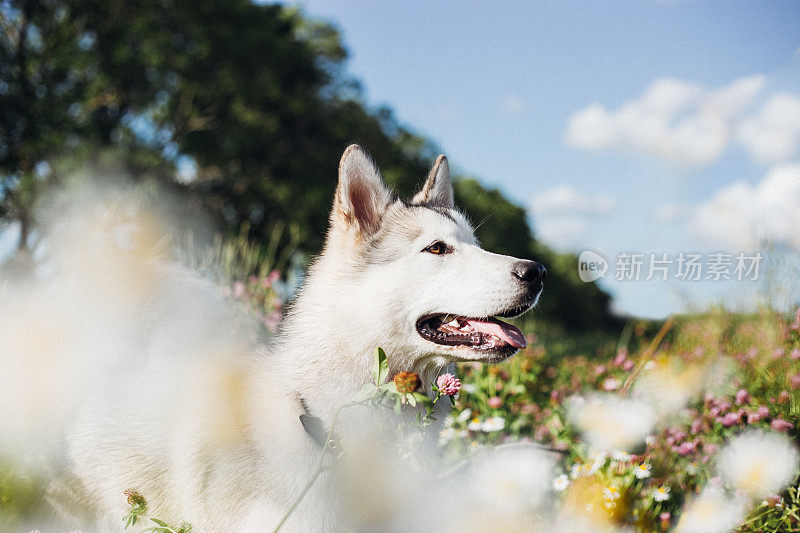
243,107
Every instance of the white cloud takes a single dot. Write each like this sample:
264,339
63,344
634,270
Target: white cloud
562,214
670,213
564,199
563,233
673,119
742,216
773,133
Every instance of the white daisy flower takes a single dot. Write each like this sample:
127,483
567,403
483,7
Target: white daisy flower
712,512
642,471
610,493
561,483
597,463
475,425
610,422
518,478
621,457
446,435
493,423
661,494
758,462
464,415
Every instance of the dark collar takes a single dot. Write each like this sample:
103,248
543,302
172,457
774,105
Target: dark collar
317,430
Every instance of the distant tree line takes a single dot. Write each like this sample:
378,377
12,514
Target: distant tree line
252,102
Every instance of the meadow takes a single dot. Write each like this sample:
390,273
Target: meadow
687,424
714,375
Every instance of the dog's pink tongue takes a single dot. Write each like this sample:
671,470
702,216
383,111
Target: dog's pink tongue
506,332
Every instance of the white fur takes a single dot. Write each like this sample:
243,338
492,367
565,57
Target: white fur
221,446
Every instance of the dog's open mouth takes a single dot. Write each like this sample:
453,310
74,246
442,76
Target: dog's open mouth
483,334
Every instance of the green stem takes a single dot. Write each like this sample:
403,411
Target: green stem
319,470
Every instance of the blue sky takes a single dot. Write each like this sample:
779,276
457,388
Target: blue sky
623,126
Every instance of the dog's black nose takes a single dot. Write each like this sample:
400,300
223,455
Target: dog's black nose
529,272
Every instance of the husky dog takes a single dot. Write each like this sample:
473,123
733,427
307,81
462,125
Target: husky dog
408,276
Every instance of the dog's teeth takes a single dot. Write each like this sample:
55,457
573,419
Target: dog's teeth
453,323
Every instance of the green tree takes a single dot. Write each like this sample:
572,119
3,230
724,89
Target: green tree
43,72
254,98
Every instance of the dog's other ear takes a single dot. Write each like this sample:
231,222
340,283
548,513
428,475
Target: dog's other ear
438,188
361,197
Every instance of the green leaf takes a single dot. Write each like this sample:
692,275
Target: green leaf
160,522
380,369
397,405
424,399
411,399
366,392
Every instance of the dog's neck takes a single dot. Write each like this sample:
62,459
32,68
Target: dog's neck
327,360
327,371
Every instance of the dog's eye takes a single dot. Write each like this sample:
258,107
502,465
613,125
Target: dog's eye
438,248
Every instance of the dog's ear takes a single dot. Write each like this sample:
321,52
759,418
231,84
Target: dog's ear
361,197
438,188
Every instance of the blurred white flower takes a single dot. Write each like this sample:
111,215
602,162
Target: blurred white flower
611,384
610,493
469,388
516,476
446,435
464,415
610,422
712,512
758,462
621,457
668,389
642,471
661,494
475,425
561,483
503,488
493,423
598,461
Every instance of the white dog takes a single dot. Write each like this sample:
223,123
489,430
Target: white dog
409,277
